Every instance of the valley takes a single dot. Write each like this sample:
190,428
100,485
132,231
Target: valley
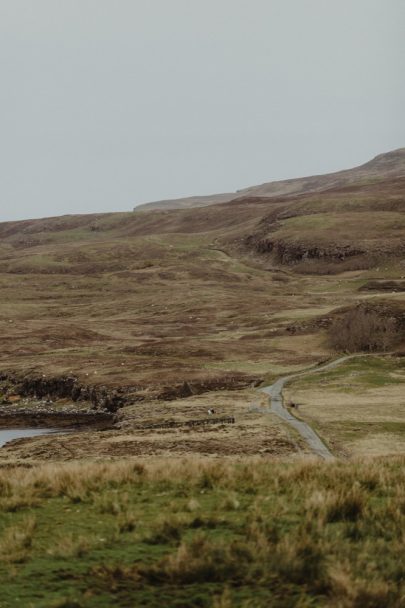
183,469
160,315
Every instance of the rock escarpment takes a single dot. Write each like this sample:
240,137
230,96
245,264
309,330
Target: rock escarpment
107,399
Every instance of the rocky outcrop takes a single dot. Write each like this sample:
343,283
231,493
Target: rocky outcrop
62,387
388,286
54,418
286,252
309,326
227,382
106,399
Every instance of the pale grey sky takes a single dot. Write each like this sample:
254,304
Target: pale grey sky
108,103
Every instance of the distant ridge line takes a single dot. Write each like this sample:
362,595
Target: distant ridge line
380,167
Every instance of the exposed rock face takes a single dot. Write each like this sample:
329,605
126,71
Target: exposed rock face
48,417
68,387
291,253
107,399
389,286
228,382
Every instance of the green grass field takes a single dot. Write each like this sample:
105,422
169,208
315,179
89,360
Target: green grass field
357,407
257,534
358,374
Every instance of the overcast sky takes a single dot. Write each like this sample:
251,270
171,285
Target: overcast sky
108,103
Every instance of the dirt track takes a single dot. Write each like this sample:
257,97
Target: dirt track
277,407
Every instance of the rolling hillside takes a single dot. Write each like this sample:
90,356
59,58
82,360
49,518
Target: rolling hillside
159,282
167,313
383,166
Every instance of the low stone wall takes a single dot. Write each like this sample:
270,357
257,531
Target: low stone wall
172,424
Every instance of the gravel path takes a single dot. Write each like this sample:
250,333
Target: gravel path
275,391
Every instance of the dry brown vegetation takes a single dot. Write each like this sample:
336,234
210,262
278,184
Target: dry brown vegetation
137,309
367,328
255,432
169,314
295,534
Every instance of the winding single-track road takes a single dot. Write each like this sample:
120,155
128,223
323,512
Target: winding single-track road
275,392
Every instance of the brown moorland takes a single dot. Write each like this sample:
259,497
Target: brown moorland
142,309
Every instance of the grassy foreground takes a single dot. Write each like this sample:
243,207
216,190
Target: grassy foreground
203,533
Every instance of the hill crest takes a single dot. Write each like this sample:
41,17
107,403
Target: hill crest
382,166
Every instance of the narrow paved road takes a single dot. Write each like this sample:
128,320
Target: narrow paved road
275,391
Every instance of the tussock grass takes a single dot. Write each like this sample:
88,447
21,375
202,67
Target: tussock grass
166,529
279,533
16,541
70,546
345,506
230,503
193,505
126,522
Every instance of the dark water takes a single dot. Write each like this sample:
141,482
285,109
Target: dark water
9,434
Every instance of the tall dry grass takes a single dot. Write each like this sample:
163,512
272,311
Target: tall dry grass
334,529
16,541
193,476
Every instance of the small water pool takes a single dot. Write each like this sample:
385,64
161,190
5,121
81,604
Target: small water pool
7,435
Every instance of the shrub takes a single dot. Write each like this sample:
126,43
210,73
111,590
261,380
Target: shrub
363,329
